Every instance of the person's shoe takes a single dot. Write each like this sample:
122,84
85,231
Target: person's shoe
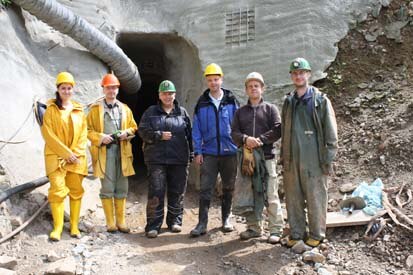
227,226
109,210
249,234
226,212
120,207
274,238
313,243
152,234
74,218
176,228
200,229
58,211
292,242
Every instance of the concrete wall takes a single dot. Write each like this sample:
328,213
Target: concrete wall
31,53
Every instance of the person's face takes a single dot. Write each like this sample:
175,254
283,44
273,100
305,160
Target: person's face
65,91
111,92
254,89
167,98
214,82
300,78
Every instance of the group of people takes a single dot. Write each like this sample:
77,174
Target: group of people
223,138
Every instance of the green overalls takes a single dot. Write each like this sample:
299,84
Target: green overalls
305,183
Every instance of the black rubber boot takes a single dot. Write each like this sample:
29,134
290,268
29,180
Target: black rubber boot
226,212
201,227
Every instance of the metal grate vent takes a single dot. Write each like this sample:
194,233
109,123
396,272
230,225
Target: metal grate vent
240,27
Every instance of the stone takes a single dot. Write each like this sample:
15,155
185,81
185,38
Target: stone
315,257
323,271
4,271
65,266
3,178
300,247
393,30
385,3
323,246
363,85
43,238
409,261
5,226
78,249
382,160
355,237
8,262
347,188
52,256
370,37
2,171
16,221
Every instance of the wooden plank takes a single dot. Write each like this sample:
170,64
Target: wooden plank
341,219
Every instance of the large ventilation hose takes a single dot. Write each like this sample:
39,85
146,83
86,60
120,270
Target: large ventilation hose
64,20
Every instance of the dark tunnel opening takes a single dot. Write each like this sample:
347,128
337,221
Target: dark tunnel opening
159,57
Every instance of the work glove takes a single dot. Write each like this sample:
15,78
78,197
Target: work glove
248,162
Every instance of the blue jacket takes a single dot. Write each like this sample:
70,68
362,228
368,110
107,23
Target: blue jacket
211,132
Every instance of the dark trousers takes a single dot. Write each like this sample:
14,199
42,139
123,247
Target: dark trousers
169,179
226,166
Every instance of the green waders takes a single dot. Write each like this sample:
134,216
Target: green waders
305,184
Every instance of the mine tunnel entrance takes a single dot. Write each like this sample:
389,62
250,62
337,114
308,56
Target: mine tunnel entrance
160,57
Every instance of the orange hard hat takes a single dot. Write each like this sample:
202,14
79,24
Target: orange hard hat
110,80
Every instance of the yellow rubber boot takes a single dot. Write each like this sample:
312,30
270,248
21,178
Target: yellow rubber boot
107,205
313,243
74,218
120,207
58,211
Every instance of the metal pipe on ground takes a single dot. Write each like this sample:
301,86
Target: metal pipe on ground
65,21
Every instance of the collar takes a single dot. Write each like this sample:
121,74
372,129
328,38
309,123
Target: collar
110,106
175,109
261,101
213,98
306,96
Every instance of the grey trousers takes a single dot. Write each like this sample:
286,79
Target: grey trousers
226,166
114,184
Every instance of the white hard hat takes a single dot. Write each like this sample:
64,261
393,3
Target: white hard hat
254,76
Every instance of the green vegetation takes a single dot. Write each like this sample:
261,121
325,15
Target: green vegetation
5,3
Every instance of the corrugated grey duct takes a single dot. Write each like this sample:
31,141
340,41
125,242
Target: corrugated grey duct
64,20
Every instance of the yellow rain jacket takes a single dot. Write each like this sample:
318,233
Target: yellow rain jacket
61,142
95,135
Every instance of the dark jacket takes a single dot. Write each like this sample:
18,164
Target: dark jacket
212,128
262,122
178,150
325,122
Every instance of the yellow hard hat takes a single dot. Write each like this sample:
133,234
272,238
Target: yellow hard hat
65,77
254,76
213,69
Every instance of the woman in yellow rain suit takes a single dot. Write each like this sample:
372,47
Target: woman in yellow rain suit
64,130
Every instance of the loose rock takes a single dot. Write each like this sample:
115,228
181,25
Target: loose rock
8,262
311,256
300,247
4,271
65,266
409,261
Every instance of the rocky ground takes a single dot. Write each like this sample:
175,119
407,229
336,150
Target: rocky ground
369,83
